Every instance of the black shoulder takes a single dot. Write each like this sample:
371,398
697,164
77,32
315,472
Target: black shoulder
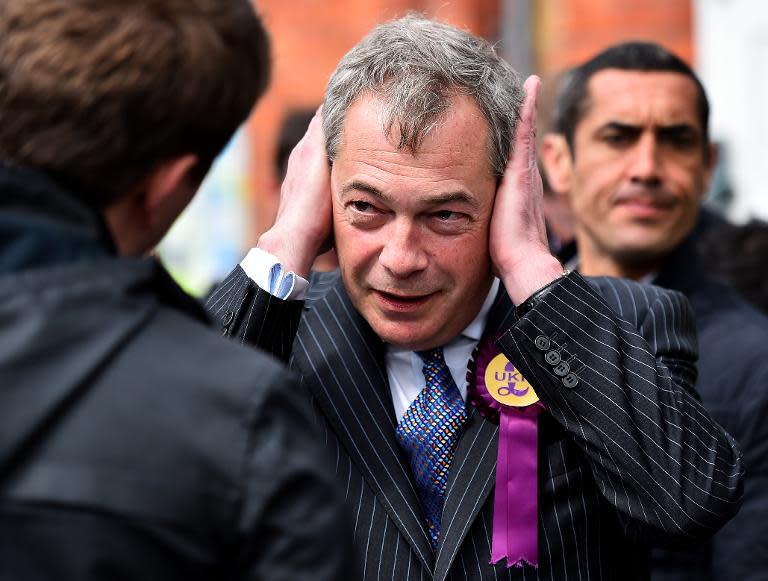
633,300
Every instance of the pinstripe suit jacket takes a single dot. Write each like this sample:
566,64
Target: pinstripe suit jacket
627,458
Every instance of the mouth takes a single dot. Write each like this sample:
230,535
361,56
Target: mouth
645,206
401,302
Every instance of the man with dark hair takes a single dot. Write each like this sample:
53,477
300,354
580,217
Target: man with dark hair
135,443
631,152
432,190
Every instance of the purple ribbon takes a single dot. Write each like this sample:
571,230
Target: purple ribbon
516,502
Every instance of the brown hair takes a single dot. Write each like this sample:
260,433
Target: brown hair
98,92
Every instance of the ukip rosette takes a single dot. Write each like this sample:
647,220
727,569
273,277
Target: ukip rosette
501,394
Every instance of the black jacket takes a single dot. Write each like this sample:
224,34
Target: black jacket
135,443
733,383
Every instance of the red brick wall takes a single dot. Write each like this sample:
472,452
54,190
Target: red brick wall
570,31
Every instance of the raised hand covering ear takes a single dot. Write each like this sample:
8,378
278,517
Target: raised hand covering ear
303,227
518,237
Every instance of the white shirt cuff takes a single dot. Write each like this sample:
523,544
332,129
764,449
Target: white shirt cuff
266,271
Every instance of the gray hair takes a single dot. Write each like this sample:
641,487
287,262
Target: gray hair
417,65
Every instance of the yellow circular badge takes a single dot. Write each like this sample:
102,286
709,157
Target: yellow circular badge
507,385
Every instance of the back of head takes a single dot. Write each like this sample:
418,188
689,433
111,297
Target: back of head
572,99
97,93
417,65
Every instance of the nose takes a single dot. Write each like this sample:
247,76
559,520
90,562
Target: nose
402,254
644,166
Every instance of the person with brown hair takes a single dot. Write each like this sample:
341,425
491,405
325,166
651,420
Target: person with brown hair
135,443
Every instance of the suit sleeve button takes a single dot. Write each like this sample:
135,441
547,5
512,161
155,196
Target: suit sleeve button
542,343
562,369
552,357
570,381
228,318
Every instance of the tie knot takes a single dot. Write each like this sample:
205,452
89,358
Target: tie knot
432,356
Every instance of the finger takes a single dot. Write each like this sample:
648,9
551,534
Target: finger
531,86
523,152
315,128
528,111
311,142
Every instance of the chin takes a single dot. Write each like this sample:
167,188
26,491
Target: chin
400,336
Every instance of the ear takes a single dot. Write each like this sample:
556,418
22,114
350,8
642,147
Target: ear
557,162
167,191
138,219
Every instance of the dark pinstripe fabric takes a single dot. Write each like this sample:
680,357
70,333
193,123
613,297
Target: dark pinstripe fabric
627,458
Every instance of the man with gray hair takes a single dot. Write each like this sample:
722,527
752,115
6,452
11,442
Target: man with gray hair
483,408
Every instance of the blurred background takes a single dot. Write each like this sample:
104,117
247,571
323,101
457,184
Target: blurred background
726,41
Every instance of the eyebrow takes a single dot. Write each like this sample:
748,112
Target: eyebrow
436,200
357,186
618,126
664,129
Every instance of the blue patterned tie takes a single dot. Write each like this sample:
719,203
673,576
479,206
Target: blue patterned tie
428,433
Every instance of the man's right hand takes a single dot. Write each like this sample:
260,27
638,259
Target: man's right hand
518,237
303,227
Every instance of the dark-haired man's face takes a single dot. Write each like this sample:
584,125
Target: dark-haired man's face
638,170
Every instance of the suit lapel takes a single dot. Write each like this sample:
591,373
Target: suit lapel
473,468
342,361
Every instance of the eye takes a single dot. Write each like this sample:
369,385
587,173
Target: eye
447,215
361,206
682,139
449,222
364,214
617,138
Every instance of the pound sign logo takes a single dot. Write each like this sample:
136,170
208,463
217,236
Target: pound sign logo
507,385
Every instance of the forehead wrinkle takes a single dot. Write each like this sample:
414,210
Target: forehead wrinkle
429,165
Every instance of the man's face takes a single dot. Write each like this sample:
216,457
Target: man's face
639,168
412,230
